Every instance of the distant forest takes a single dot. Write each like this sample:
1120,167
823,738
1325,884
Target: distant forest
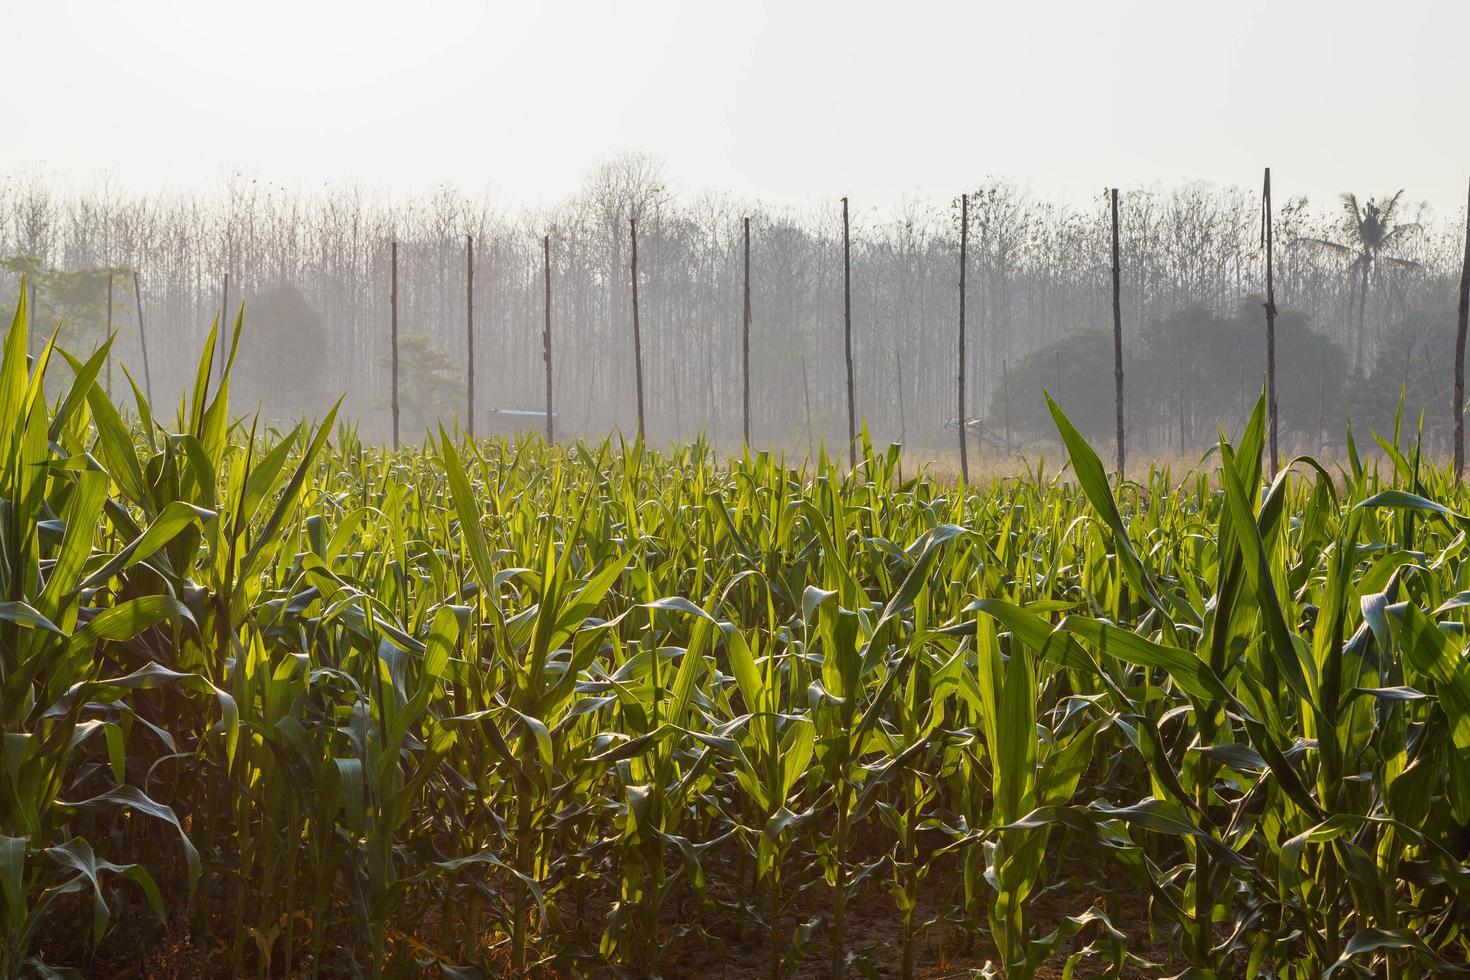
1365,288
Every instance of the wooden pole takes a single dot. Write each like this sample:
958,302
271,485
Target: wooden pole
469,328
964,250
847,336
1321,401
1117,338
393,303
637,332
1267,234
546,335
1179,351
903,425
745,343
1460,354
109,333
678,406
806,393
224,326
142,338
1005,398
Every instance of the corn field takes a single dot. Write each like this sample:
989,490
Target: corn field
508,708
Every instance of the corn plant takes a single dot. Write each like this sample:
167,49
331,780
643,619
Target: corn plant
500,707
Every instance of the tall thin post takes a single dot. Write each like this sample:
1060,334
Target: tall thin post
1460,354
1005,398
1179,351
142,338
745,343
1321,401
546,335
847,336
224,325
806,394
1267,234
964,251
393,303
1117,337
469,329
903,426
678,407
109,334
637,333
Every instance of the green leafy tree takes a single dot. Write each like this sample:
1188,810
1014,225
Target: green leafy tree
77,300
282,353
1191,372
1200,371
1068,368
1415,361
431,387
1370,232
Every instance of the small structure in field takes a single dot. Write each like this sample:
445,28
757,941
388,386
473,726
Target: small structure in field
976,432
514,421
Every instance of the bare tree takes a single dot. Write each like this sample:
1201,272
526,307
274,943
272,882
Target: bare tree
1117,337
847,335
637,335
1266,235
469,331
546,336
964,248
745,343
394,331
1045,267
1460,327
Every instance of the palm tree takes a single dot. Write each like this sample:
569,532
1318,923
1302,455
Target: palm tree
1370,230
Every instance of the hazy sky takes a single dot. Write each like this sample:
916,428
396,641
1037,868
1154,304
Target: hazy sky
786,101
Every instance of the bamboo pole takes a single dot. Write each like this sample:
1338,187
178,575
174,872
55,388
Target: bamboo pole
109,333
964,250
393,302
142,338
1464,321
903,425
806,393
546,335
745,343
1005,398
1117,338
637,332
1179,352
224,327
469,330
1267,235
847,336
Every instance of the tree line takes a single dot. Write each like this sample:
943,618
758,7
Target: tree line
1365,288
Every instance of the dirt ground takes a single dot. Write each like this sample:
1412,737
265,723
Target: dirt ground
714,938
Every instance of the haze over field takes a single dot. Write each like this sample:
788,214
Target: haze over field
289,143
790,103
782,490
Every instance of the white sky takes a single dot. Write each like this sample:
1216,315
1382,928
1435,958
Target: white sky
788,102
